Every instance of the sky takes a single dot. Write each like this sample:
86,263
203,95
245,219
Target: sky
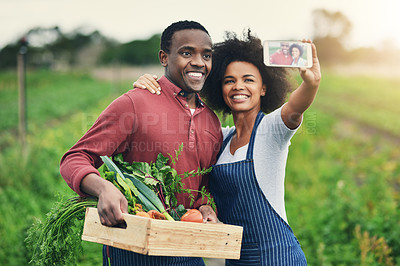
125,20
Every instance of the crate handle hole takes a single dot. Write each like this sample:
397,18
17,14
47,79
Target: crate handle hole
122,225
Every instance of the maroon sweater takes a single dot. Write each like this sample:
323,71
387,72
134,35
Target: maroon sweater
140,125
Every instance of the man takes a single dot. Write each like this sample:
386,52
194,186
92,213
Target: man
282,56
140,125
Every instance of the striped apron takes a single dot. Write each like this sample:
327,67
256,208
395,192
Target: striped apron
267,238
123,257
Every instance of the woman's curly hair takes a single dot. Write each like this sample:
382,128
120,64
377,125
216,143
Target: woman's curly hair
295,45
249,50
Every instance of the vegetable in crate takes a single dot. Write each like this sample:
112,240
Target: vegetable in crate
159,177
192,215
57,241
149,189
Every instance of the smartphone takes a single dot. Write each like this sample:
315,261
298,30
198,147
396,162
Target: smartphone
287,54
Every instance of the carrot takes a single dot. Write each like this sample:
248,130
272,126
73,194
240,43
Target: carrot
143,214
156,215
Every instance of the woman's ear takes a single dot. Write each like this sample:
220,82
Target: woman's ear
263,90
163,57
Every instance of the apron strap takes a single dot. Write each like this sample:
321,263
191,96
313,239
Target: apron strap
250,148
226,141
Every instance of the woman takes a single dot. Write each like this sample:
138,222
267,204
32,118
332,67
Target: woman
247,181
296,51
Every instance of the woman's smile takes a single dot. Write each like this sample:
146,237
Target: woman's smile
242,87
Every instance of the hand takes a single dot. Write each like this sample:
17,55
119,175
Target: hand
304,95
148,82
312,76
209,216
111,204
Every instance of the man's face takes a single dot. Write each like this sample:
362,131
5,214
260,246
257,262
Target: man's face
188,62
285,48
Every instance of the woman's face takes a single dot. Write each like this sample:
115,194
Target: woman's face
295,52
242,87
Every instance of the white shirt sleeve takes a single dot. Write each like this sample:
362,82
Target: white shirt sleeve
271,149
226,131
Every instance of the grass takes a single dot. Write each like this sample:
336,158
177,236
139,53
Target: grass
371,101
30,182
49,96
334,184
342,181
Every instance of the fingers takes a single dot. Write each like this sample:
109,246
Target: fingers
209,216
111,206
149,82
314,53
311,76
306,40
109,217
152,83
313,47
210,220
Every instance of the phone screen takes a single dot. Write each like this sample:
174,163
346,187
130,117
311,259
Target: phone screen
287,54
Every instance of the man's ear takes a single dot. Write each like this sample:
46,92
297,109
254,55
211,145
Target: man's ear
163,57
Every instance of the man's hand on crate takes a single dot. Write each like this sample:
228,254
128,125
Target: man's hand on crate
111,202
209,216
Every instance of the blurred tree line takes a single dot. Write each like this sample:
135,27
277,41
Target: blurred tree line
332,30
52,48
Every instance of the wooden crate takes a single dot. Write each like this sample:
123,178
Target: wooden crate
166,238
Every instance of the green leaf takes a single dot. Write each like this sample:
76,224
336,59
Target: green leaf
111,166
123,184
57,240
161,161
140,169
146,191
109,176
119,159
178,212
132,187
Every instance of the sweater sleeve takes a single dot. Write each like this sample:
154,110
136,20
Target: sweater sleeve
108,136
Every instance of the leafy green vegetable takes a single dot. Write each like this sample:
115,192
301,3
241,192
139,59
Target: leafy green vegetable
163,178
57,241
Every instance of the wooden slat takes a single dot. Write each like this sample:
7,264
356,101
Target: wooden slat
194,240
133,237
166,238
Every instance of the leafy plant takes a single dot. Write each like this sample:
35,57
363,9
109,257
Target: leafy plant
57,241
163,178
373,247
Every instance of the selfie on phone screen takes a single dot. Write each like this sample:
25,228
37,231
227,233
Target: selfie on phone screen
287,54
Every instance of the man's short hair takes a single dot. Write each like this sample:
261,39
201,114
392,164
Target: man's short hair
177,26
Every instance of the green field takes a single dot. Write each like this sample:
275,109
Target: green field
342,181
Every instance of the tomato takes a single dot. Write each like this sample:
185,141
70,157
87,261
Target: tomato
192,215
